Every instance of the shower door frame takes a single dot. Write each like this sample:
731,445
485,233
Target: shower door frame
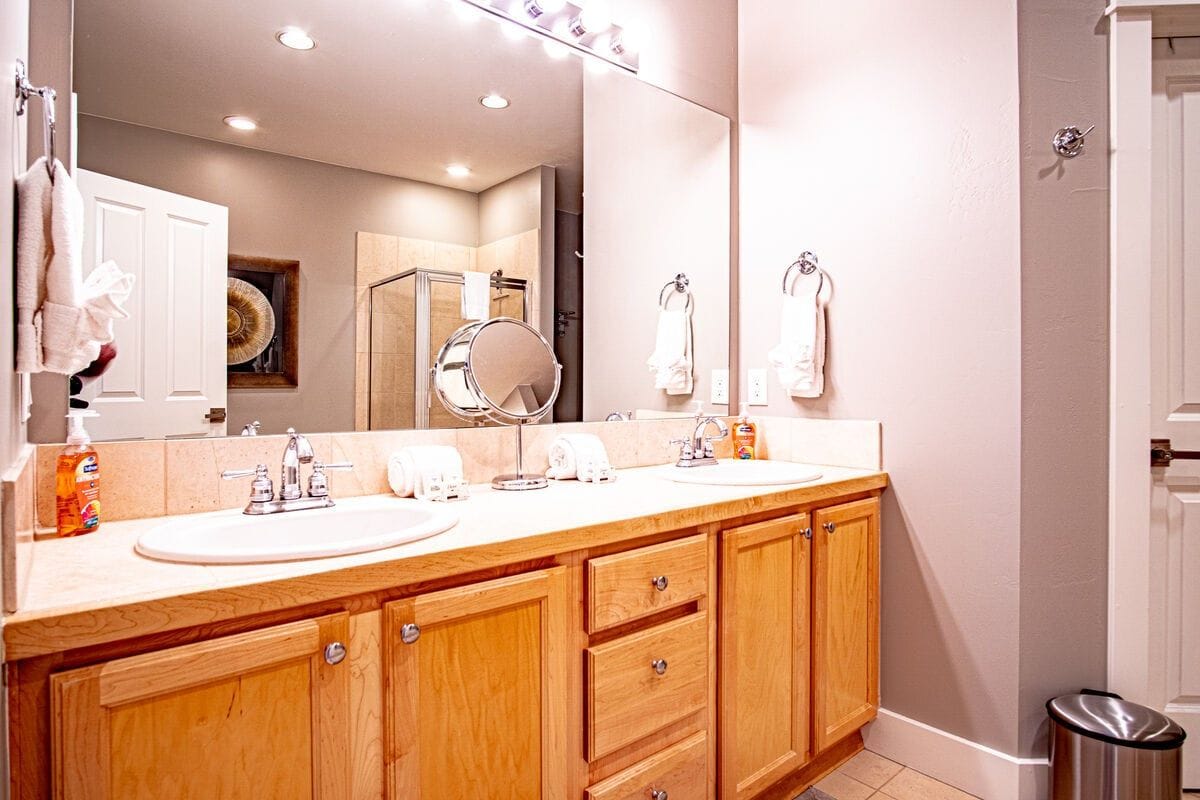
422,295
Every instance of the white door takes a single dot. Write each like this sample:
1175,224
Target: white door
169,374
1175,391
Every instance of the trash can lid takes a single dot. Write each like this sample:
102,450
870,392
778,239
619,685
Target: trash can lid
1116,721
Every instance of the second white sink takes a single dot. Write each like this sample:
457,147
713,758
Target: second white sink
356,525
730,472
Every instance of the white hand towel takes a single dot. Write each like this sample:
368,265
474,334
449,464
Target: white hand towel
408,466
799,358
671,361
574,455
476,295
61,319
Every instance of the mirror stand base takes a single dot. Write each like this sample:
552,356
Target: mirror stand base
519,483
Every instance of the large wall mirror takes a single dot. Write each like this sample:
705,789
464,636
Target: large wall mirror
309,226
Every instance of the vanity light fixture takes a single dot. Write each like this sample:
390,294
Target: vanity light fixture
296,39
583,26
457,171
494,101
240,123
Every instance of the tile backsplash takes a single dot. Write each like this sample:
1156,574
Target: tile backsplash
157,478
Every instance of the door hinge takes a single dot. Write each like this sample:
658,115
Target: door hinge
215,415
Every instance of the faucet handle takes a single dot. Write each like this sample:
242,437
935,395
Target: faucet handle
318,482
261,490
686,450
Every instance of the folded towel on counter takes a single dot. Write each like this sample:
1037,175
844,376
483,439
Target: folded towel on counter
476,295
408,468
579,456
671,361
62,320
799,358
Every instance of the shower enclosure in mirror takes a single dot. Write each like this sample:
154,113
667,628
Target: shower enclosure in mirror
415,138
411,316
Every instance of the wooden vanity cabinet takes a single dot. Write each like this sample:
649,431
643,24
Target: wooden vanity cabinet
477,691
799,664
255,715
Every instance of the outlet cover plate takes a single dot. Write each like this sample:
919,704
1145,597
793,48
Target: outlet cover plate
756,385
720,387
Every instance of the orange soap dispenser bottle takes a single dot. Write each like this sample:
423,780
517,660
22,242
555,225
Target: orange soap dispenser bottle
77,480
745,436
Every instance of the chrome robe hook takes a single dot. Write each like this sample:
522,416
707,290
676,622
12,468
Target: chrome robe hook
1069,141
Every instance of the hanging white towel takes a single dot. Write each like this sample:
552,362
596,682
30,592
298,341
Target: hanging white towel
671,361
408,467
799,358
476,295
61,319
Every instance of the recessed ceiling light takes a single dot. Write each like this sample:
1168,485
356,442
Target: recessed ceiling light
494,101
295,39
457,171
241,123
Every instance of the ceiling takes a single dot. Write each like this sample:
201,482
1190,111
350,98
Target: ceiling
392,88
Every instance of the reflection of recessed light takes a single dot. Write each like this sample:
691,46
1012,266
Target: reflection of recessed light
556,49
295,39
494,101
241,123
457,171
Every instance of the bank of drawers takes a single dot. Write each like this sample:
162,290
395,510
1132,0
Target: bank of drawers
646,680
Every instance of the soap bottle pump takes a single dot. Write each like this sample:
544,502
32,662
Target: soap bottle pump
77,480
745,436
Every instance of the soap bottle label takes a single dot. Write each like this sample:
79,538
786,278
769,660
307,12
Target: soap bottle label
87,492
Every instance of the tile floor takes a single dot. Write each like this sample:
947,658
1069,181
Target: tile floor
869,776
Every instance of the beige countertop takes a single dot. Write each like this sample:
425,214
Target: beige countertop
94,589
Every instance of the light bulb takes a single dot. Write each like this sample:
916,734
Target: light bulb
295,39
457,171
628,40
596,17
494,101
535,8
241,123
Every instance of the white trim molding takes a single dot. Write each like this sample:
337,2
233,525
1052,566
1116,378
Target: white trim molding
972,767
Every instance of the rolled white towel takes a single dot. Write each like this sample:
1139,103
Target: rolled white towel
574,455
408,466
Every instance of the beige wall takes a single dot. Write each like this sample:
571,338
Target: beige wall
667,212
284,207
511,207
888,144
1064,351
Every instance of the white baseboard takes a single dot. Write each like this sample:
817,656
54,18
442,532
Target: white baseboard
951,759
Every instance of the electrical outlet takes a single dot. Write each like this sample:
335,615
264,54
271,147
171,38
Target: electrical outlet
720,387
757,387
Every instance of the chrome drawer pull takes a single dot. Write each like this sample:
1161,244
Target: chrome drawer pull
660,583
410,633
831,527
658,794
335,653
660,665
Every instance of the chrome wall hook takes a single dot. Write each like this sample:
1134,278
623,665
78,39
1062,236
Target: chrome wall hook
26,90
1068,142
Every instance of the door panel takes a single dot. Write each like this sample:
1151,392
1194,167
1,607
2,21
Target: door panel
765,654
477,701
845,619
1175,395
170,365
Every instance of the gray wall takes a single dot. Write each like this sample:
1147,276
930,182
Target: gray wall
1064,359
282,207
511,207
14,44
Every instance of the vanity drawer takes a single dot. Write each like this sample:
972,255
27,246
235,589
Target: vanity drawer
681,771
625,586
645,681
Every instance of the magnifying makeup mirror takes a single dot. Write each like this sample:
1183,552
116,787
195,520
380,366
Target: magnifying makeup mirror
500,370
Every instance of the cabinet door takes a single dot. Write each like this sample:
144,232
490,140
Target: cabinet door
245,717
764,670
845,619
477,691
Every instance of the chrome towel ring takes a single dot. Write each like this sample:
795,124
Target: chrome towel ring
680,284
806,264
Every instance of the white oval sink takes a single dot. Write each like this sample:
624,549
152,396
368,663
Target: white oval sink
731,472
357,525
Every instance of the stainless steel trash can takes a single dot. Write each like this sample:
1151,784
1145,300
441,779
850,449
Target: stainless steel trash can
1105,748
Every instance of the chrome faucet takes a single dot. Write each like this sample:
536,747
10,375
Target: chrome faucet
291,496
698,451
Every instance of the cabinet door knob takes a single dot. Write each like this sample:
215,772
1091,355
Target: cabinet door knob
830,526
660,665
335,653
660,583
658,794
806,533
410,632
